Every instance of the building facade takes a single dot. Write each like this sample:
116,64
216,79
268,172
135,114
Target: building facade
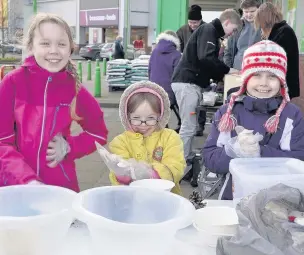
103,21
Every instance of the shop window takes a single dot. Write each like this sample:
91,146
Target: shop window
137,34
110,34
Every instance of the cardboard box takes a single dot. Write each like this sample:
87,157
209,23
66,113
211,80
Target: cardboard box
231,81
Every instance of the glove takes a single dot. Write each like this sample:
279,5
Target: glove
58,148
128,168
141,170
115,163
245,145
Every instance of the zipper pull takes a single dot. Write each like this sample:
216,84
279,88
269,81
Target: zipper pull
49,78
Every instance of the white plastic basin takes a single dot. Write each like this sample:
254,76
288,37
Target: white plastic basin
155,184
132,220
34,220
213,222
249,175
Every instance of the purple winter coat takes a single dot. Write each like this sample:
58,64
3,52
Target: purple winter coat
252,113
164,59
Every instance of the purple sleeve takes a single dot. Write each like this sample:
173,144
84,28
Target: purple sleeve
296,142
215,158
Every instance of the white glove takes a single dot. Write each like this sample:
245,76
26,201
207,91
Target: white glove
131,168
140,170
114,162
58,148
245,145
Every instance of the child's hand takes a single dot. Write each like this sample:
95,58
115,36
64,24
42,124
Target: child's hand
114,162
245,145
58,148
141,170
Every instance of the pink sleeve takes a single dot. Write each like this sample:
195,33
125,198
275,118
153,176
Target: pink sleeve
92,123
13,168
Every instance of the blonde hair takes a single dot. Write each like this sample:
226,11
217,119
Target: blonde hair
137,99
266,17
71,68
232,16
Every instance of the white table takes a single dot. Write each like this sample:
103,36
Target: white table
188,241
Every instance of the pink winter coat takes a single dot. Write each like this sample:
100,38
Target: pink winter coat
34,107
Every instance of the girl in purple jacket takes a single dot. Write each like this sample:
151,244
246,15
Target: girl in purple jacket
259,114
39,101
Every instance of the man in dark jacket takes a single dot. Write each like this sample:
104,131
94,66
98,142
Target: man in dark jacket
184,34
118,49
194,21
198,65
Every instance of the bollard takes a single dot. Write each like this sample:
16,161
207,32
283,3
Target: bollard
104,66
89,78
97,62
110,57
79,70
97,92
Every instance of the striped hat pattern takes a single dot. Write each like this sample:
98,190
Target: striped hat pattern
264,56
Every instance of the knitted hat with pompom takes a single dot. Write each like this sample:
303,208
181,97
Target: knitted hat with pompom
264,56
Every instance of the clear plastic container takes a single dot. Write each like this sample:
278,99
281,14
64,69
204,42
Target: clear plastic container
34,220
132,220
252,175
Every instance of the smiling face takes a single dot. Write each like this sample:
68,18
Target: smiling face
194,24
263,85
249,13
144,113
51,47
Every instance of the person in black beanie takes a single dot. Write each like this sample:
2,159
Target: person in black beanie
184,33
194,21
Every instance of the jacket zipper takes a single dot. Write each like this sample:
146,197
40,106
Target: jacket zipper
43,123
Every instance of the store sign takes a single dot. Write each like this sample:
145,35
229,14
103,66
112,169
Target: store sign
99,17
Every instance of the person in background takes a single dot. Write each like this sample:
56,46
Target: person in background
200,63
194,21
138,43
146,150
247,36
270,19
39,102
259,120
184,34
163,60
118,49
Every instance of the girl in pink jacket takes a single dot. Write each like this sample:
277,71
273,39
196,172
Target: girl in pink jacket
39,101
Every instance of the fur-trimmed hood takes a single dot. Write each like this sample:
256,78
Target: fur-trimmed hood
145,86
167,39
